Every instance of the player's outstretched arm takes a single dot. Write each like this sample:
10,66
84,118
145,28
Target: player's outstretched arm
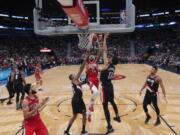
105,49
99,53
105,58
82,66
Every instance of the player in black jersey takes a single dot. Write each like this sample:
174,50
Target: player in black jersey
77,102
10,87
106,75
19,83
152,84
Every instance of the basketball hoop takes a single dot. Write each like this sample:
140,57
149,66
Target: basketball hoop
84,41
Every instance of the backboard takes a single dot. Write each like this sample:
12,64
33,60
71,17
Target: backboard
115,16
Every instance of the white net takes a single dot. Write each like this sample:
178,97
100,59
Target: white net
85,41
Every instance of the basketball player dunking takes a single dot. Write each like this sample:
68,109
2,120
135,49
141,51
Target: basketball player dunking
31,108
152,84
107,74
38,77
77,102
92,78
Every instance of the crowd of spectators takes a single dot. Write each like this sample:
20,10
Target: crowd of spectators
25,50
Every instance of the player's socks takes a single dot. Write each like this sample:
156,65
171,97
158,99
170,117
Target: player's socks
88,115
17,106
91,105
91,108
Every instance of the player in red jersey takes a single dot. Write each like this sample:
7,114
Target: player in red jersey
31,108
92,76
38,77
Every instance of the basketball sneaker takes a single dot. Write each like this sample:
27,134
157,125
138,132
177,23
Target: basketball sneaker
67,133
148,117
84,133
118,119
109,130
158,122
9,103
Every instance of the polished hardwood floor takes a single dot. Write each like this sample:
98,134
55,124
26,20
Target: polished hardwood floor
58,110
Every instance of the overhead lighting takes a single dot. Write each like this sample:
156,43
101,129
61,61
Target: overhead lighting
177,11
18,28
149,26
57,19
26,18
162,24
157,14
166,13
144,15
172,23
3,27
17,17
140,26
4,15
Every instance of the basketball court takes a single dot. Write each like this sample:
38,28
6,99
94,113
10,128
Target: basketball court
58,111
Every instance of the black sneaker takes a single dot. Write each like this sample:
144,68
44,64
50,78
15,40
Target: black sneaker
84,133
158,122
118,119
9,103
40,89
109,130
2,101
66,133
147,119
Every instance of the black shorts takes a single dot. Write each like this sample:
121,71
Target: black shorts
18,88
78,106
107,92
150,97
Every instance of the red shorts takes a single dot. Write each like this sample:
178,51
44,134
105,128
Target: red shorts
94,82
38,78
36,126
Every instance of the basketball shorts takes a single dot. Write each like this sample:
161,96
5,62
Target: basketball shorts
93,82
37,126
78,106
107,92
38,78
